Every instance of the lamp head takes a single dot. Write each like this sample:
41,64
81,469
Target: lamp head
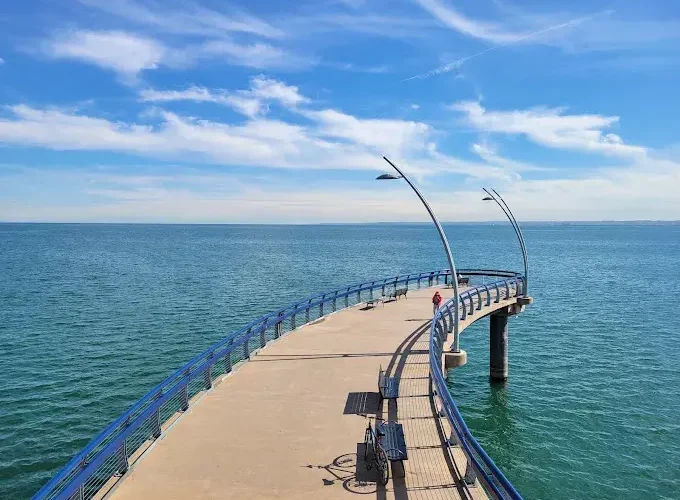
487,198
387,177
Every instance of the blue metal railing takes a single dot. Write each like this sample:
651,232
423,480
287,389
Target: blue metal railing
108,455
479,464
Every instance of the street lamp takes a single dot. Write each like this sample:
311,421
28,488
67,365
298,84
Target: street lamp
506,210
447,249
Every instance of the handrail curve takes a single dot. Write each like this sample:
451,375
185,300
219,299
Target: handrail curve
480,465
107,455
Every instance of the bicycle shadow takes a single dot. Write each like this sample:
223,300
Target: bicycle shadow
350,471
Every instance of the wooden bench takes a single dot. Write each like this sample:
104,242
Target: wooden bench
375,301
463,281
394,443
399,292
388,386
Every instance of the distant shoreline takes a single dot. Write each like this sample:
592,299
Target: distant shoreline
422,223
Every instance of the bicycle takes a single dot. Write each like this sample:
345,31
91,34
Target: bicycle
373,442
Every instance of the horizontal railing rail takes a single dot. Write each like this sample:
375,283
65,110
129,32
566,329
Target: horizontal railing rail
479,465
108,455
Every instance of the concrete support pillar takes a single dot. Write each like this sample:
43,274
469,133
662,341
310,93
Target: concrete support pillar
498,347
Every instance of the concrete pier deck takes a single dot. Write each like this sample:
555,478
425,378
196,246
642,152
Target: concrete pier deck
290,422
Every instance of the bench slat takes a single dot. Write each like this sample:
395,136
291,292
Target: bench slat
394,442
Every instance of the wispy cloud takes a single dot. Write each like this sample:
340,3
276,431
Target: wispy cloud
125,53
2,61
258,55
251,102
553,128
510,40
187,18
128,54
377,69
450,17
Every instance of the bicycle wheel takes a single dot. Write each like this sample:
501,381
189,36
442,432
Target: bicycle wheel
383,466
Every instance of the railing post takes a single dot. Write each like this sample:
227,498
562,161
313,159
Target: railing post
323,298
451,318
227,362
347,298
507,289
184,394
156,424
122,453
122,458
359,294
498,293
207,380
278,328
419,278
246,351
383,288
292,319
335,298
462,301
479,299
472,304
307,311
80,493
470,475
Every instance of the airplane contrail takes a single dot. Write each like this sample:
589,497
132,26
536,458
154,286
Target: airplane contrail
457,64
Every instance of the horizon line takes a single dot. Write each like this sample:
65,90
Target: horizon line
499,221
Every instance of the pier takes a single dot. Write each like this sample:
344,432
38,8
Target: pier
278,409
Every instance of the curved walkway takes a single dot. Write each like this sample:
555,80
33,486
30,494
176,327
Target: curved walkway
290,422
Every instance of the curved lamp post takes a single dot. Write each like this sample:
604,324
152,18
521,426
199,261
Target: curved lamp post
452,265
506,210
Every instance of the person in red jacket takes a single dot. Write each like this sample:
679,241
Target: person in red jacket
436,301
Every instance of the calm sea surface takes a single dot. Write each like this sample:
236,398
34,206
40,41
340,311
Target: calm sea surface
93,316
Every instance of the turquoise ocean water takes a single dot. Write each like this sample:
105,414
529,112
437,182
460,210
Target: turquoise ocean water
93,316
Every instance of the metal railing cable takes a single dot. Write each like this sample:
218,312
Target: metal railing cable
108,455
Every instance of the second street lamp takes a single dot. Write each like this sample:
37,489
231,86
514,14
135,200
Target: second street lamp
520,237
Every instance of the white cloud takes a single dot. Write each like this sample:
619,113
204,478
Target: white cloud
246,106
477,29
122,52
128,54
392,137
487,153
331,140
2,61
251,102
257,55
267,88
193,93
190,19
551,127
262,142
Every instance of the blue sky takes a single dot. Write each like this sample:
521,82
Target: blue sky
261,111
